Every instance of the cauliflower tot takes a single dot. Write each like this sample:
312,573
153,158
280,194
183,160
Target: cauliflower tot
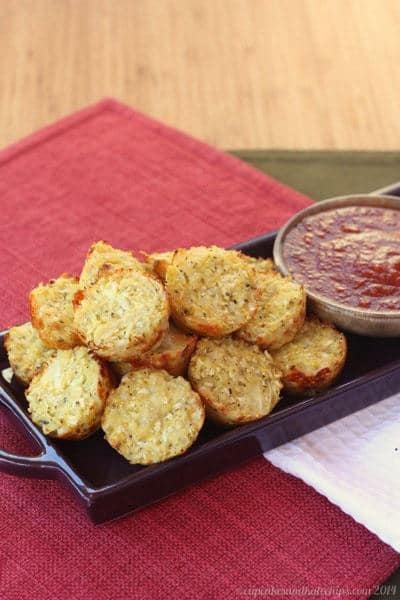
237,381
67,396
26,351
122,315
314,359
152,416
212,291
52,312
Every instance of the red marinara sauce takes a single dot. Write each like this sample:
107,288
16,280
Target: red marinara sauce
349,254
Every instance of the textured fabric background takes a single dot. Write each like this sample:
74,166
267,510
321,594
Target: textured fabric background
111,173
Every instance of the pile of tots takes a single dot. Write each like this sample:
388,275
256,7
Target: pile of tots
147,349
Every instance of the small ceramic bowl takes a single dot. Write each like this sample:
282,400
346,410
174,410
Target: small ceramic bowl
357,320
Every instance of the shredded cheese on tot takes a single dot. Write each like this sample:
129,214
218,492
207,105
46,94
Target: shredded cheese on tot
281,310
152,416
211,290
67,396
261,265
124,314
237,381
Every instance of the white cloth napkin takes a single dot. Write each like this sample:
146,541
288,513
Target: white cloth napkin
355,463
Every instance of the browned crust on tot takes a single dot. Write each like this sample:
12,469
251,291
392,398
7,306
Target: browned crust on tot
159,262
204,329
107,380
78,297
175,358
299,383
109,259
45,330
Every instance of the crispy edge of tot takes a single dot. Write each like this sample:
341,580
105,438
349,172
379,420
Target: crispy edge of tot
159,262
105,384
298,383
40,325
175,359
106,265
203,326
120,368
104,352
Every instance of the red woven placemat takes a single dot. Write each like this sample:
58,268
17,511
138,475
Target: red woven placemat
110,173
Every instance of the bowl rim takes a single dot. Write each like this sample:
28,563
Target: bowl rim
379,200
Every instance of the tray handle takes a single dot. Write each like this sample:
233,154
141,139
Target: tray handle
26,466
41,466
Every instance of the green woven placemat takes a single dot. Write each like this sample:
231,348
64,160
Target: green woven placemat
323,174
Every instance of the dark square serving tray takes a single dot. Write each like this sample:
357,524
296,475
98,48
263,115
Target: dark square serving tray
108,486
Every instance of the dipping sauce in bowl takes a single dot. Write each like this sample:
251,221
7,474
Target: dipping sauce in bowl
346,252
350,254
